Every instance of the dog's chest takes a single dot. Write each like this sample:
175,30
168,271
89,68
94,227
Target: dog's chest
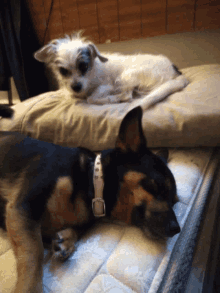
60,211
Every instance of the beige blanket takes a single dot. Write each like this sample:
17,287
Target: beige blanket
187,119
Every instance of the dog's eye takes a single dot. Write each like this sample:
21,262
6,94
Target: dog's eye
64,71
149,186
83,67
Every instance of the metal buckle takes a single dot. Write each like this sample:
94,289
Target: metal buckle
100,200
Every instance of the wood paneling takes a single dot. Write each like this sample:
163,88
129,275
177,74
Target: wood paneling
180,16
55,27
70,16
88,18
119,20
129,19
108,20
207,14
153,18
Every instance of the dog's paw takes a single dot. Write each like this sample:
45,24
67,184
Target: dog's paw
64,244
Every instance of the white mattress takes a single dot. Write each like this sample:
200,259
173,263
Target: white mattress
117,258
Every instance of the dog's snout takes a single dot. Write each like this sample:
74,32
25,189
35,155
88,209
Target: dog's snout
76,87
173,228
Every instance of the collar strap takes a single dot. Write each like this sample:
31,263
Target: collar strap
98,204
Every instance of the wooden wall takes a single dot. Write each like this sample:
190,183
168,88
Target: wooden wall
119,20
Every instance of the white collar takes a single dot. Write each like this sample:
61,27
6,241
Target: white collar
98,204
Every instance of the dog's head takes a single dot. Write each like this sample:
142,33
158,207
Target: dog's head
72,60
144,186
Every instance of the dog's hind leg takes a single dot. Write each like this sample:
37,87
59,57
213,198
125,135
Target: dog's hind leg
163,91
25,236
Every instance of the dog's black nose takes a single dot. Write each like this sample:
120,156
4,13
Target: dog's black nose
172,229
77,87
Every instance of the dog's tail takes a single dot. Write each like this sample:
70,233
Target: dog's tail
6,111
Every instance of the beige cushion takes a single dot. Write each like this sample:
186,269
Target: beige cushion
188,118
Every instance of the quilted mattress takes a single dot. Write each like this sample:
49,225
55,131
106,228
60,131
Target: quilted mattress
116,258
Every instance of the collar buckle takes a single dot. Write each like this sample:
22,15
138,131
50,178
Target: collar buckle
98,207
98,203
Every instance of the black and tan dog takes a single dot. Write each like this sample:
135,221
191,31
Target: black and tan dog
46,188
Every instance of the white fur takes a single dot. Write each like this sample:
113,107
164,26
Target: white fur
119,78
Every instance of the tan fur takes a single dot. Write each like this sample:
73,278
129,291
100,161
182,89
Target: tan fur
132,194
28,249
132,182
158,206
60,211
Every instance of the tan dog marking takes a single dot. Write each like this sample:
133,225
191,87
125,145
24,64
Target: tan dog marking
131,194
158,206
60,211
132,181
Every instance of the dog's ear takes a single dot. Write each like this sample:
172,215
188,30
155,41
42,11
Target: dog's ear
46,54
95,53
131,137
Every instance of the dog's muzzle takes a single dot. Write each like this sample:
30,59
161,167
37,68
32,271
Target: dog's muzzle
98,203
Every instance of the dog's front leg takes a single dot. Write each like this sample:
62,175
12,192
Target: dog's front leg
25,236
103,95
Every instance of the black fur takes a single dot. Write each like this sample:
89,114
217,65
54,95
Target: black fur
32,168
84,61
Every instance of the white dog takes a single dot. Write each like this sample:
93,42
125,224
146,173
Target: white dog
84,73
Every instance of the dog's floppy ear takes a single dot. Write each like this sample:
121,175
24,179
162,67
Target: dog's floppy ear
46,54
95,53
131,137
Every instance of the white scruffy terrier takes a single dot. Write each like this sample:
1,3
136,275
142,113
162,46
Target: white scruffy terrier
108,78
